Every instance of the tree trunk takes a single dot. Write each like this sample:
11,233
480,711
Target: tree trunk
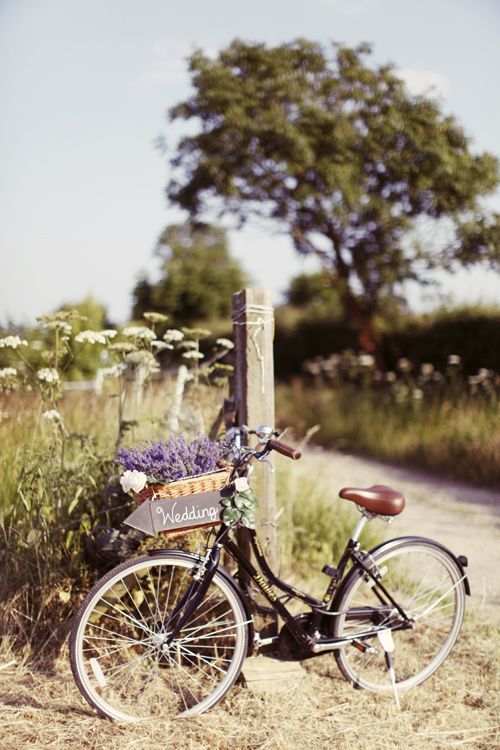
363,321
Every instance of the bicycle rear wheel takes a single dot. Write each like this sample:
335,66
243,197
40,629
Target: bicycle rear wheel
424,579
119,655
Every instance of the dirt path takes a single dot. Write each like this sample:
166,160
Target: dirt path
464,518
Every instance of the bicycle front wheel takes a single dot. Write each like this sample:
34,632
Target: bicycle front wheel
120,657
426,582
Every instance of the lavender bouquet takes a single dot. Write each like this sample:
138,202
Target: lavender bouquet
169,461
176,459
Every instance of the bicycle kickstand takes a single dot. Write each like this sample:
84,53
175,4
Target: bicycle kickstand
387,643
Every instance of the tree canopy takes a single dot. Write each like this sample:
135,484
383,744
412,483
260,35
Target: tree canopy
338,153
197,276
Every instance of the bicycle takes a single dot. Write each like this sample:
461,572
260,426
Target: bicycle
166,634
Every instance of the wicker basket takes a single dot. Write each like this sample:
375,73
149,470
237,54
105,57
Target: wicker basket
200,483
188,486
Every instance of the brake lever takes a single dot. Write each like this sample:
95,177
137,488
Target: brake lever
266,461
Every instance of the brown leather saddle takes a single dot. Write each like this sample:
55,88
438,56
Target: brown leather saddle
377,499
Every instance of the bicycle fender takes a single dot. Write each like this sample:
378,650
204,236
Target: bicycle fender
228,578
460,560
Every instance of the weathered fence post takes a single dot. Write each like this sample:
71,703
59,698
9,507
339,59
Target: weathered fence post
253,332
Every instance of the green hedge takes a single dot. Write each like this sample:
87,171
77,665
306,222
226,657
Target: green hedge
476,338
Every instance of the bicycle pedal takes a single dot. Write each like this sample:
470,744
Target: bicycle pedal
363,647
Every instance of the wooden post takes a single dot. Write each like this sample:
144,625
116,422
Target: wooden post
253,331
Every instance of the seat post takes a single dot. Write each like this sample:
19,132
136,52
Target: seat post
365,517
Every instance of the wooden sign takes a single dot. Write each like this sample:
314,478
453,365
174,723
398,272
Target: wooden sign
175,514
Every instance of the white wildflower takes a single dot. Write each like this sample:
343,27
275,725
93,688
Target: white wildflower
160,346
197,333
173,335
404,365
12,342
193,355
483,373
52,415
139,332
225,343
426,369
474,380
90,337
390,376
366,360
417,394
133,480
58,325
110,333
8,372
155,317
48,375
454,359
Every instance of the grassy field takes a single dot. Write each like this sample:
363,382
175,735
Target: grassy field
456,437
41,707
457,708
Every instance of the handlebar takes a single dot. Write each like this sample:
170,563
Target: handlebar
285,450
244,455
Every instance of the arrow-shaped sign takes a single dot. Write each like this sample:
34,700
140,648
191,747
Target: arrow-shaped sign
154,516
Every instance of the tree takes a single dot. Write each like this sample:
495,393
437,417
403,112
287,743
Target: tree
343,158
314,294
198,276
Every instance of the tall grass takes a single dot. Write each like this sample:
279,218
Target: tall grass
456,435
56,488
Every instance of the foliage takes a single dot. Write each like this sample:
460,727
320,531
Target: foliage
49,341
197,276
338,153
472,332
57,454
44,519
316,294
240,508
86,361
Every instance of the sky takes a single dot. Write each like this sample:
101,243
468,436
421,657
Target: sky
84,90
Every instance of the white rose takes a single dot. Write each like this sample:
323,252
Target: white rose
133,480
241,484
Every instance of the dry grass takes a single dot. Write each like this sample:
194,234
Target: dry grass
458,708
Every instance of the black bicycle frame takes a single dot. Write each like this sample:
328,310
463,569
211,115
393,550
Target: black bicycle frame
265,578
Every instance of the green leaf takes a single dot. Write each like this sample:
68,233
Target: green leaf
247,520
231,515
74,502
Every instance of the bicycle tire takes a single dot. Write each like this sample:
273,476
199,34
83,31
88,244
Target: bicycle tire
120,660
426,581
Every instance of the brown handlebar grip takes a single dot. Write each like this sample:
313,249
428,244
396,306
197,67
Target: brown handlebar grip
285,450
